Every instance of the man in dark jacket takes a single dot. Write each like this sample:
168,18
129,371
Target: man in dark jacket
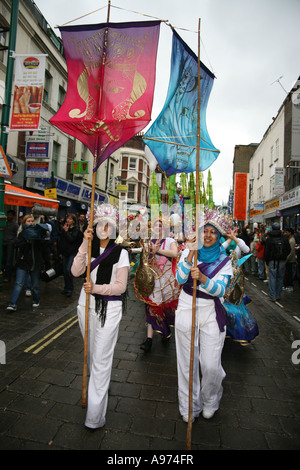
70,240
276,252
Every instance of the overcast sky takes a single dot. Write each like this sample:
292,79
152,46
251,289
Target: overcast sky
248,45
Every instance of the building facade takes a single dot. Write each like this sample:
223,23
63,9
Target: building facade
35,36
273,173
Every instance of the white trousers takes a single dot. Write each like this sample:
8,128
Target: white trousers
101,345
209,342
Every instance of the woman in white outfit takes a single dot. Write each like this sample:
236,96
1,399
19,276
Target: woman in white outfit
108,281
213,274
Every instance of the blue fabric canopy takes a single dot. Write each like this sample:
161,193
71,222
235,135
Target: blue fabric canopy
172,138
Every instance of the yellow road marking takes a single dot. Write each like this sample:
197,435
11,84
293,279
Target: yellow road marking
50,334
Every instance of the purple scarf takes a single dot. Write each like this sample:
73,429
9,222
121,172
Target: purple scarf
210,270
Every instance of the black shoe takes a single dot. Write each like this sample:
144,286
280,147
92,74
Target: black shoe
146,345
166,340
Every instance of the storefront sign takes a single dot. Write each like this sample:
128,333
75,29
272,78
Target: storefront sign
37,150
28,92
37,169
240,196
80,167
272,205
50,193
279,181
291,198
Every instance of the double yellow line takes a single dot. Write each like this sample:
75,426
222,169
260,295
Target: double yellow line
59,331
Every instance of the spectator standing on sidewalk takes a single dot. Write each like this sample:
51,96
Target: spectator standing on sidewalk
69,242
9,238
276,251
260,249
28,262
291,261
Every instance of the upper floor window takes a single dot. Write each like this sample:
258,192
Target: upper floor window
131,191
132,163
61,96
55,157
3,43
47,87
277,148
272,155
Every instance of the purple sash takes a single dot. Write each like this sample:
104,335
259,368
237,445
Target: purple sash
212,269
96,262
102,257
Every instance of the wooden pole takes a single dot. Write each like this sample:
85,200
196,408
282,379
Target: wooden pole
88,269
189,426
87,301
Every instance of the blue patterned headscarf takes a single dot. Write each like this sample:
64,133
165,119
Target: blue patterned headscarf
212,253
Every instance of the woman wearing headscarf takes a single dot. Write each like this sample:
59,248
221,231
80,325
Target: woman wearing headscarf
107,288
213,274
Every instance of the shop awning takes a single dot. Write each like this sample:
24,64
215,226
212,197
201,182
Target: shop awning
15,196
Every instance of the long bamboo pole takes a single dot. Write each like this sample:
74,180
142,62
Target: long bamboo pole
87,300
88,269
189,426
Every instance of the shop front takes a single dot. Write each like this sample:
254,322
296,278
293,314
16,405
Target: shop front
73,198
289,205
271,212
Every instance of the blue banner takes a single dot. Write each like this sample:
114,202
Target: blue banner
172,138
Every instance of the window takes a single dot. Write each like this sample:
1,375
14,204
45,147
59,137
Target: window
143,194
258,170
131,191
262,167
55,157
61,96
277,149
272,186
132,163
47,87
83,155
272,155
3,43
112,170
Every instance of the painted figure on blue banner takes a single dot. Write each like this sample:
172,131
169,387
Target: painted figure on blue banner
172,137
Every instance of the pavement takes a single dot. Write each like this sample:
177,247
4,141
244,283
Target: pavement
41,382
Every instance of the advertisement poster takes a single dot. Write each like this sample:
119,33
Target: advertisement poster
240,196
27,92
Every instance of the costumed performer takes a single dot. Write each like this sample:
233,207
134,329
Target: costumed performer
213,274
160,305
242,326
107,289
233,243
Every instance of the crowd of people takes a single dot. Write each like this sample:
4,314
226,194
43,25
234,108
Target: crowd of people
275,257
194,277
36,245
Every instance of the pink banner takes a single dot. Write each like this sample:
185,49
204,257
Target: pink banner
111,78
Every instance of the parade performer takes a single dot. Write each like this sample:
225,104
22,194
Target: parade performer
242,326
213,274
161,301
107,288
